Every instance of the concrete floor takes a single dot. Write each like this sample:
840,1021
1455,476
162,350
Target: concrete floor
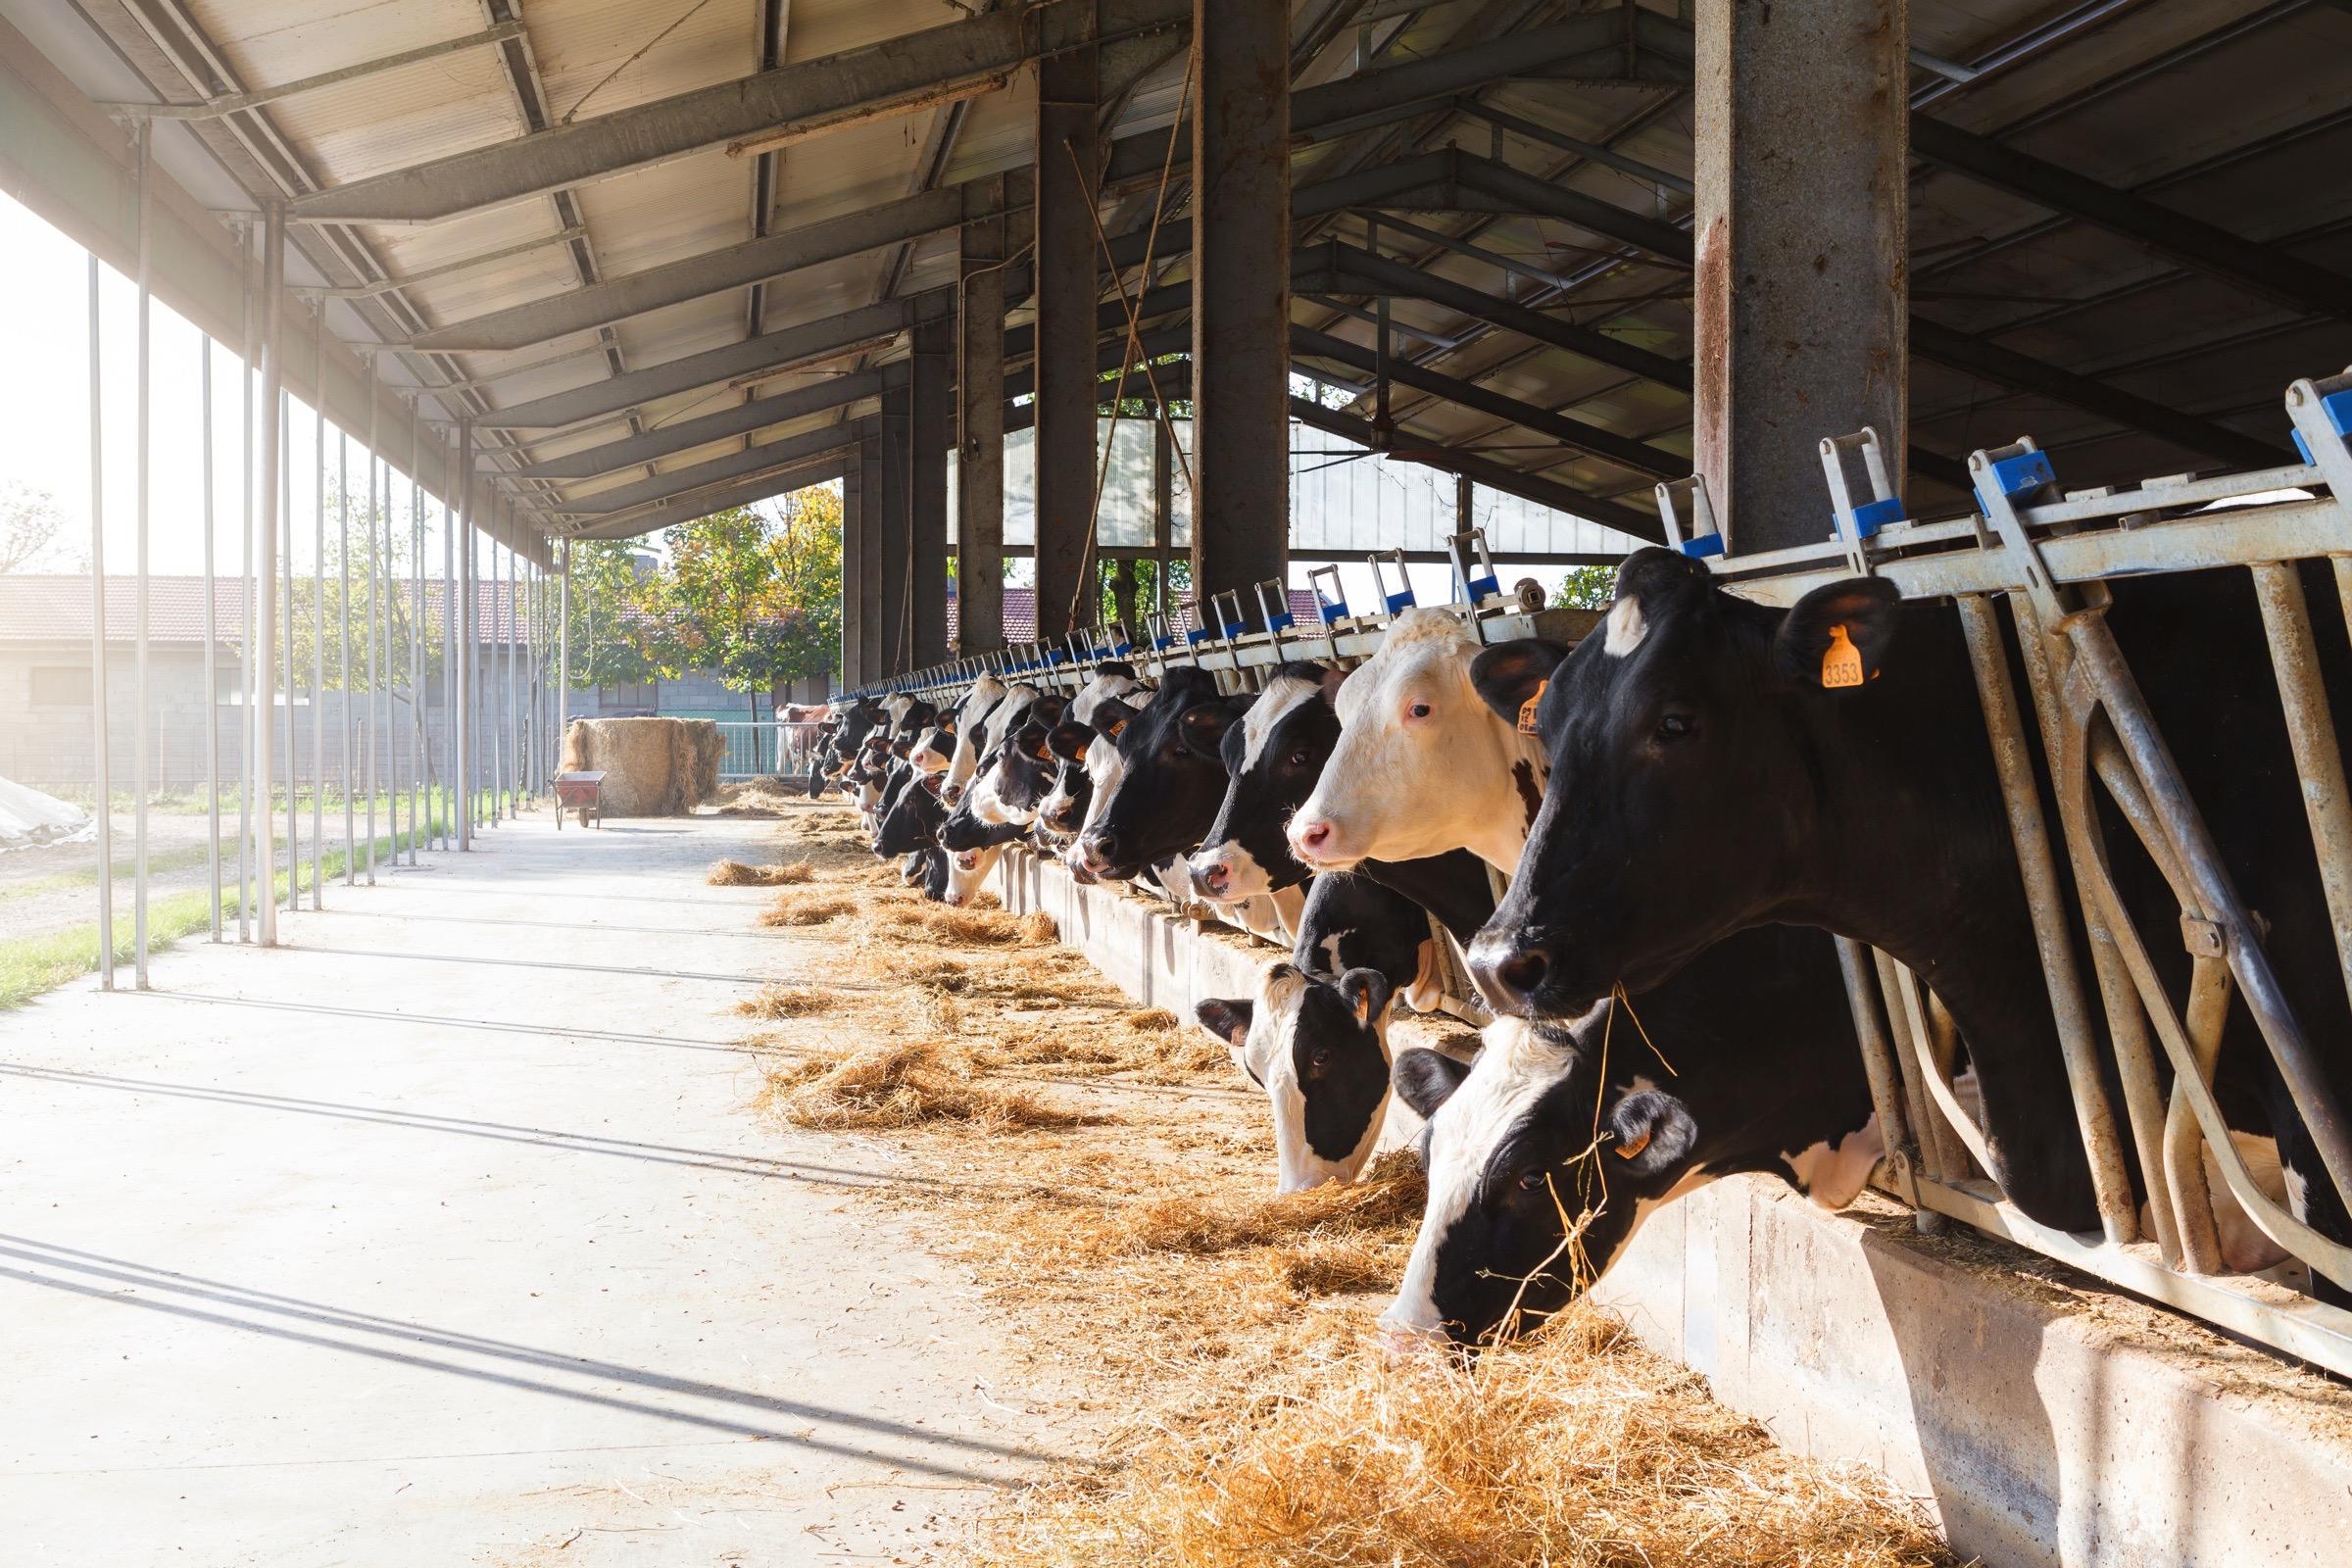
446,1237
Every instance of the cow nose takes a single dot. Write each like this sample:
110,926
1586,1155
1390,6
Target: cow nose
1213,879
1101,849
1509,969
1313,836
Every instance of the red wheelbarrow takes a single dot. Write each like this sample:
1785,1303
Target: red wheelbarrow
580,792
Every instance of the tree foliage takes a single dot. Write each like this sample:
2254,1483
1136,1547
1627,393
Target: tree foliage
751,600
29,524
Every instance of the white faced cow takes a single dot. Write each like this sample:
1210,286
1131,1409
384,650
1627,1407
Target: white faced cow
1422,766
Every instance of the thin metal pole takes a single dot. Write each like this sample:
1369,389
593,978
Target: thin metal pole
449,659
283,482
212,644
145,469
99,749
420,782
343,669
265,560
512,721
245,673
564,653
318,615
376,586
462,708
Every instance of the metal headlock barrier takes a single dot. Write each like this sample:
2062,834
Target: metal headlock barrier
2049,554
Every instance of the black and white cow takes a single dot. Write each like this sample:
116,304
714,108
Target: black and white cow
1315,1035
1581,1128
1711,784
913,819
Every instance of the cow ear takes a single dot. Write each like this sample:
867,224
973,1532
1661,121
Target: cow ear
1204,725
1837,635
929,781
1332,680
1426,1079
1229,1021
1366,992
1654,1132
1510,677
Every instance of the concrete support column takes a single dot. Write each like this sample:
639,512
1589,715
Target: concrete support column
931,431
853,573
1241,297
891,543
1066,260
870,629
980,428
1801,288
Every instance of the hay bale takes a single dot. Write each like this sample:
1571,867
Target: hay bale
652,766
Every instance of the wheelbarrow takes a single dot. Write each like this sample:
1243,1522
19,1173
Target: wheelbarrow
580,792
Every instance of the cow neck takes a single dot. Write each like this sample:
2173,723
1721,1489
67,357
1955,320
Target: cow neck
1501,833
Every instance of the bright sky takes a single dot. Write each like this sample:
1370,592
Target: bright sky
45,420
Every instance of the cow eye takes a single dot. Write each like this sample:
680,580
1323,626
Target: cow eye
1530,1181
1319,1058
1675,726
1416,710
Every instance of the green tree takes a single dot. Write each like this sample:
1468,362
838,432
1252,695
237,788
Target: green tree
1586,588
607,611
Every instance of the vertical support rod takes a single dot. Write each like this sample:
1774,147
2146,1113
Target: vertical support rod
100,750
1801,287
373,519
264,653
2310,732
246,778
980,427
350,858
318,615
871,632
1066,290
141,697
891,547
564,652
855,670
420,788
461,614
212,640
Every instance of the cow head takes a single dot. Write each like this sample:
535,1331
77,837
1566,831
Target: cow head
913,818
1422,766
1273,757
1686,738
1171,774
1539,1174
1320,1052
1065,809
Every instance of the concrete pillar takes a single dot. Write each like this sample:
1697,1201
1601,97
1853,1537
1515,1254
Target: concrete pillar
980,430
853,573
892,542
870,644
1801,288
931,431
1241,297
1066,258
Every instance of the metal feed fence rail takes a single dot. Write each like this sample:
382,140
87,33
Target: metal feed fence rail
764,747
2049,552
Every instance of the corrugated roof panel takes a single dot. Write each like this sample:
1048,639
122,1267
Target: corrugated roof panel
584,49
667,214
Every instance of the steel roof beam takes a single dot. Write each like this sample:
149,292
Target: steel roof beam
1493,476
718,471
741,419
1608,445
2266,272
661,514
914,70
769,353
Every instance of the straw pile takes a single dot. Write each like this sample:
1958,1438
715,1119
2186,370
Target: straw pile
652,766
1122,1215
736,875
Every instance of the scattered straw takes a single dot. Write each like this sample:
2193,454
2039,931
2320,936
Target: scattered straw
970,928
901,1086
1578,1450
784,1002
806,909
736,875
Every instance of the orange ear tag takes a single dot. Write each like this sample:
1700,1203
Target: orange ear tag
1840,661
1526,710
1633,1147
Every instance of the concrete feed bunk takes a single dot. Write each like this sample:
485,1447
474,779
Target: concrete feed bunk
652,766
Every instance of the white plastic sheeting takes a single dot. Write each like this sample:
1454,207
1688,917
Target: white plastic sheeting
29,817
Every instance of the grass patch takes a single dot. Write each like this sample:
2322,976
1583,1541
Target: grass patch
35,964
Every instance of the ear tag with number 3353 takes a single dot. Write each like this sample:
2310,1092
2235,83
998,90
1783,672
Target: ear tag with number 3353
1840,661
